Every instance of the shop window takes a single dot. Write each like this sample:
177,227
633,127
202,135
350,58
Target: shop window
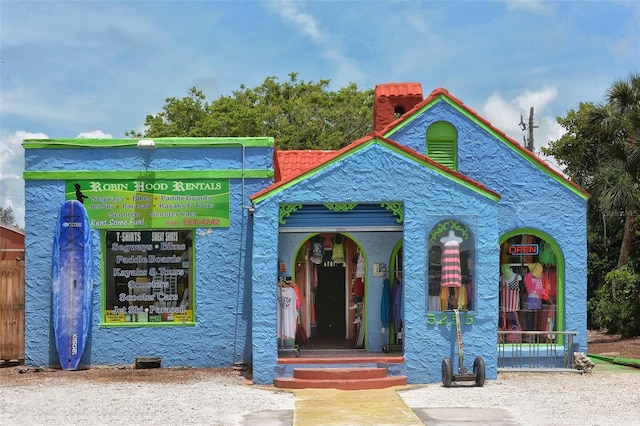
528,285
450,267
148,277
442,144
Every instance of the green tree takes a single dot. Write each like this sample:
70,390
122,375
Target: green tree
6,216
600,151
298,114
619,314
616,124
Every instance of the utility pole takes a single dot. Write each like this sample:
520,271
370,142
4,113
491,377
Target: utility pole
528,141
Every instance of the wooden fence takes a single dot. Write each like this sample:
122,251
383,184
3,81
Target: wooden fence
11,311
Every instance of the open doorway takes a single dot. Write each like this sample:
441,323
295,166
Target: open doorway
325,271
330,302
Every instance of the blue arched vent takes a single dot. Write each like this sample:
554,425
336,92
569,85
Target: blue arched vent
387,215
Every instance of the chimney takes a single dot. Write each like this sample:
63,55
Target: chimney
392,100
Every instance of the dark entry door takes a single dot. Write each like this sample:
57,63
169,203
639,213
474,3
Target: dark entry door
330,302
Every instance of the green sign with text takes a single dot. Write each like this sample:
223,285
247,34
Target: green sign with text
156,203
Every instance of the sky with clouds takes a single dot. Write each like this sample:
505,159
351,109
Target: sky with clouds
74,69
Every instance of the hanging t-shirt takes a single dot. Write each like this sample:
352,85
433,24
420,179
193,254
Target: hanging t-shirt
535,292
360,266
338,249
358,287
287,312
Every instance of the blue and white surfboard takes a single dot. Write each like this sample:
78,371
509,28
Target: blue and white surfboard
72,283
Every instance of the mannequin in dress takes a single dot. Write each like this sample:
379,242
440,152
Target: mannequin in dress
451,272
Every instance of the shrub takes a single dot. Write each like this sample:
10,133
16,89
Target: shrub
616,305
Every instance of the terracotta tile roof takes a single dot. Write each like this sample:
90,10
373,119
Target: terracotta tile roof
310,160
290,164
398,89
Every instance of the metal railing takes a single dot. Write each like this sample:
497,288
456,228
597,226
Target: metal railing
535,350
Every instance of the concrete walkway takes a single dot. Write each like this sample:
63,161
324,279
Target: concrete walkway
386,407
337,407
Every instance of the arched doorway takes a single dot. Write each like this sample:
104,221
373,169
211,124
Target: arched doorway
329,272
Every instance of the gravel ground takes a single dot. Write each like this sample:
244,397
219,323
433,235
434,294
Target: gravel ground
544,398
223,397
208,396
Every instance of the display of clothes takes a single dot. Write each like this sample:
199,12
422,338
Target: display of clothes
434,294
384,303
358,282
451,273
535,287
287,313
396,306
450,270
509,289
337,255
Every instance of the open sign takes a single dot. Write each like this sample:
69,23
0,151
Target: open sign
523,249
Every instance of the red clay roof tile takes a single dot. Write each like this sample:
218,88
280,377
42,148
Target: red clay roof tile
295,163
398,89
307,160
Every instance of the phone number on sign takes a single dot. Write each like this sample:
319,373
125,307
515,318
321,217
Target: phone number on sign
200,222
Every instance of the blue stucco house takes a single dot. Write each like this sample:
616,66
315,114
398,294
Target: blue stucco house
212,252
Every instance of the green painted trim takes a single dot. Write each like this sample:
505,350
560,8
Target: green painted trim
146,324
103,295
146,174
286,210
340,207
451,225
493,133
559,267
441,140
393,274
160,143
394,255
449,176
397,150
396,208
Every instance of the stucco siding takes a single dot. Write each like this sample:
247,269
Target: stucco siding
376,174
223,308
531,198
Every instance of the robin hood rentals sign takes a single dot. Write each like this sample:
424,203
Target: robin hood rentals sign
158,203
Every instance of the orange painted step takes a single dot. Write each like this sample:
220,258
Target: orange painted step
342,384
358,378
340,373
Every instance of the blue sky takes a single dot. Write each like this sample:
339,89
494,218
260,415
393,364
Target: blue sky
96,68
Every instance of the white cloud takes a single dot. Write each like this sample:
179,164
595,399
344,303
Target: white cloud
11,169
303,22
307,25
505,115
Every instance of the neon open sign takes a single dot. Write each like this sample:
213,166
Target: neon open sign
523,249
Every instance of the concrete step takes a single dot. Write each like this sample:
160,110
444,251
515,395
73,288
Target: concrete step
339,373
339,378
